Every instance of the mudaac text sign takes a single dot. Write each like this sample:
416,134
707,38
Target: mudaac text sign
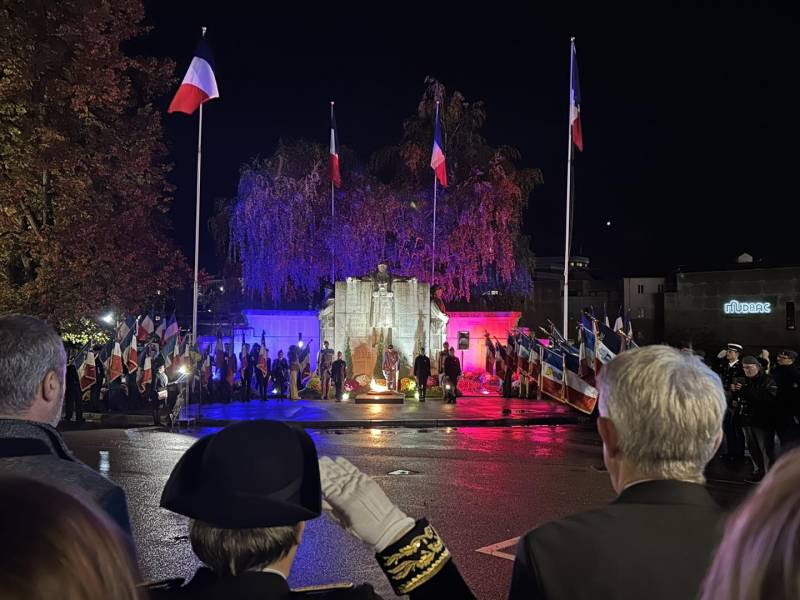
734,307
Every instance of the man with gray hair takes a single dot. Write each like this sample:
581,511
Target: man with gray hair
660,422
32,383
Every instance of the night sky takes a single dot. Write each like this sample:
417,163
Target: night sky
689,116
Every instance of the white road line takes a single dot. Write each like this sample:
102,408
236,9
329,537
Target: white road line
494,549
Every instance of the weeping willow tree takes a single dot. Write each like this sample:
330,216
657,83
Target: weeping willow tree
282,232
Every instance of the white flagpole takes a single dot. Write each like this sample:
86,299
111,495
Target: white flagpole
569,191
333,215
196,245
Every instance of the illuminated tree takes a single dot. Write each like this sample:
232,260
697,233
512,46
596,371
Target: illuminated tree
83,192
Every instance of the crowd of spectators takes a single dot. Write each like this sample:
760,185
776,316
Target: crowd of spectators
66,530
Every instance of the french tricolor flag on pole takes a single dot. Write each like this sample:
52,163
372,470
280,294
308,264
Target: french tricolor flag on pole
437,157
199,85
575,102
336,176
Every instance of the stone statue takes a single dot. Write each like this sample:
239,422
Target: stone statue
382,310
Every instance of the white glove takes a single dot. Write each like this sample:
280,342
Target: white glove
355,501
722,353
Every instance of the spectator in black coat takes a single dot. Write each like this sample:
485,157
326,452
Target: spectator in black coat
73,398
661,422
32,382
787,377
452,371
756,406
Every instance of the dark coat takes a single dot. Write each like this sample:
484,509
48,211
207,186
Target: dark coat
452,368
339,370
654,541
38,451
756,401
422,368
787,378
280,369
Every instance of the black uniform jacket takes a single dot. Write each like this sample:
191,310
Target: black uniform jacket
654,541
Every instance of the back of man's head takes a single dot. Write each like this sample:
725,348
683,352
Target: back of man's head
32,367
667,409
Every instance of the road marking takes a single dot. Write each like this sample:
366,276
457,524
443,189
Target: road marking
403,472
494,549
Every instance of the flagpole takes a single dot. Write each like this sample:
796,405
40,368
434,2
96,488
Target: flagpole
433,245
569,191
333,217
196,243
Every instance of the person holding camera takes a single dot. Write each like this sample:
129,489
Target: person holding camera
755,400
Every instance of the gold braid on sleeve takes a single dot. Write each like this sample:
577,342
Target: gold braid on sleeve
415,559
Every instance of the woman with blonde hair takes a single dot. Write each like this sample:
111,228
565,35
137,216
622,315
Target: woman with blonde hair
55,545
759,556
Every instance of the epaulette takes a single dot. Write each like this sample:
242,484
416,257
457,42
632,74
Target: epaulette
414,559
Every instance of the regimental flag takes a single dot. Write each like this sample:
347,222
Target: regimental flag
205,373
262,355
523,353
305,360
605,316
608,345
501,365
146,327
511,353
245,355
619,323
437,156
587,355
575,101
336,175
577,392
160,329
199,85
491,356
131,350
168,350
219,354
114,364
230,374
87,372
172,329
553,374
536,361
146,374
123,327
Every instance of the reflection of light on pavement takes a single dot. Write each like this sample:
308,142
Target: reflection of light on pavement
376,409
375,432
104,463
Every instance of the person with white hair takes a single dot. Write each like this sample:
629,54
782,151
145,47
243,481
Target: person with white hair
32,383
660,422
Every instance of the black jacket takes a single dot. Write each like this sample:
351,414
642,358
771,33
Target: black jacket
418,564
756,401
452,368
654,541
38,451
422,367
339,370
787,378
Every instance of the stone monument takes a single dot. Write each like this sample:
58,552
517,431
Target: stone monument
368,313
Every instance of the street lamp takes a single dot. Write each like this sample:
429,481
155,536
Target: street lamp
299,340
108,318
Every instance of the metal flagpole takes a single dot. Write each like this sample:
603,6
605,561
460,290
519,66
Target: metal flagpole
433,244
196,251
569,192
333,215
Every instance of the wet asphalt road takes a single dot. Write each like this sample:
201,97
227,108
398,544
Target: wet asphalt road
478,486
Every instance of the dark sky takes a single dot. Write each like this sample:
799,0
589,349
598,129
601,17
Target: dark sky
689,116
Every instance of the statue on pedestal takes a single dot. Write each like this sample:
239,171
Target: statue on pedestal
382,309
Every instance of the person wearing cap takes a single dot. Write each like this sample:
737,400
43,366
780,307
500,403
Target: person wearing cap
787,377
730,372
756,405
391,360
247,520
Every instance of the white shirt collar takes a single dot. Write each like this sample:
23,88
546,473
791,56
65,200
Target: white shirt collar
273,571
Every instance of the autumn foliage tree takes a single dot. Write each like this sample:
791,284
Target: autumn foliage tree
282,232
83,190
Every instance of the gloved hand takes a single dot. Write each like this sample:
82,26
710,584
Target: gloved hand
722,353
355,501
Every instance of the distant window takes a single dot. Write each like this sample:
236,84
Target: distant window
640,289
642,313
660,288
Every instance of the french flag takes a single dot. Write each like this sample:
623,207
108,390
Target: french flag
575,101
336,176
87,372
146,327
146,374
437,157
199,85
115,364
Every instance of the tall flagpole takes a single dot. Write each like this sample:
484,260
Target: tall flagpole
196,244
433,245
333,217
565,331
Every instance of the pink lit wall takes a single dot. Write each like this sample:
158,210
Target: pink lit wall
496,324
